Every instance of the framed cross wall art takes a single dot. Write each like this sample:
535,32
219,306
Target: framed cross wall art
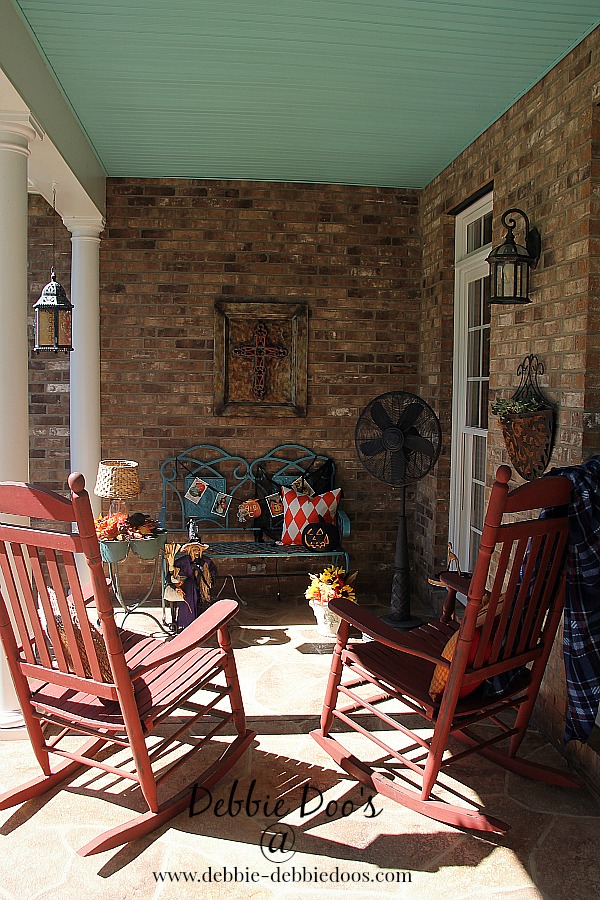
260,364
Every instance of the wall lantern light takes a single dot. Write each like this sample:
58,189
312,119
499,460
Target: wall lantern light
510,262
53,321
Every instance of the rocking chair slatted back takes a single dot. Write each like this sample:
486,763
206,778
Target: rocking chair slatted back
53,637
457,676
527,579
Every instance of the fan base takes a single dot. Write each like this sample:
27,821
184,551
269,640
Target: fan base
401,624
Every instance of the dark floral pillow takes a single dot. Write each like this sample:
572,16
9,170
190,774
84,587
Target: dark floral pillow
319,481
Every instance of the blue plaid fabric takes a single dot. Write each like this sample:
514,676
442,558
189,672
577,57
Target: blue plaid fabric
581,642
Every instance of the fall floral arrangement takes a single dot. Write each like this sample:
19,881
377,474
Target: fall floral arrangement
121,527
331,584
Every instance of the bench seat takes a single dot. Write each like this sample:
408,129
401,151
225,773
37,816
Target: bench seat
268,550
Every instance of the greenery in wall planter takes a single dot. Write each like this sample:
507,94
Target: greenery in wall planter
504,408
527,421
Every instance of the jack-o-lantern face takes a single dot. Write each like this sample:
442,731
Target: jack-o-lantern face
251,509
320,536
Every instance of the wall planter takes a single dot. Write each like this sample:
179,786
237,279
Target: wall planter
527,421
528,438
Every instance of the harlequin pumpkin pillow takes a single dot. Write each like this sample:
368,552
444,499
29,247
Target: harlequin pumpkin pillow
299,511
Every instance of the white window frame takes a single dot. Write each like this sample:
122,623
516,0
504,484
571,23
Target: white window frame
467,267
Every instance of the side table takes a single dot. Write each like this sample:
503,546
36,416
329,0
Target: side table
114,552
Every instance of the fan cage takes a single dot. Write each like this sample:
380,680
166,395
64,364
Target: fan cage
410,415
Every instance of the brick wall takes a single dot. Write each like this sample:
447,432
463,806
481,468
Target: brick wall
173,247
48,372
543,157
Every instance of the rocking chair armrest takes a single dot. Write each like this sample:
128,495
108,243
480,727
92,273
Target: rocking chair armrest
455,581
365,621
197,632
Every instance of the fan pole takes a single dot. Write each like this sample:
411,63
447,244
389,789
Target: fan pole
399,616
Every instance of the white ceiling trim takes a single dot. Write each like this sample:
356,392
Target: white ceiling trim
65,156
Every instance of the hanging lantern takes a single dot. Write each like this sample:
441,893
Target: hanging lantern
53,321
510,262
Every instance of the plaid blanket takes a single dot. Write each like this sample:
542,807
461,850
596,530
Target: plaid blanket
581,643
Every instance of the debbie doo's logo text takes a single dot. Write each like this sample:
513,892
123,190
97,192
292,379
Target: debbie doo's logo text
311,802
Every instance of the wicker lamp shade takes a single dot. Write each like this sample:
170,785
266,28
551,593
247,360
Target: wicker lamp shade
118,479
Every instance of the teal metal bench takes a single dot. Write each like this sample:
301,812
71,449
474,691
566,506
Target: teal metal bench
243,479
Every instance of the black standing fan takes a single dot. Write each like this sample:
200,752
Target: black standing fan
398,440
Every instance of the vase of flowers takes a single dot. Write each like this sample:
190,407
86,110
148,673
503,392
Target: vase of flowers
331,584
118,533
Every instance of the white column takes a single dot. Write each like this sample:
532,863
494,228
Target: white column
85,357
17,130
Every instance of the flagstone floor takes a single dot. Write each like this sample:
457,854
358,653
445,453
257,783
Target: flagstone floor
344,843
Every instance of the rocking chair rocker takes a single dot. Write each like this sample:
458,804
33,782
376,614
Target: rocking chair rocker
457,676
114,687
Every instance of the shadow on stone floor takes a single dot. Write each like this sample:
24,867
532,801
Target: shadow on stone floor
551,851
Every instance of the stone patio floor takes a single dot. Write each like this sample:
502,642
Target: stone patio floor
552,850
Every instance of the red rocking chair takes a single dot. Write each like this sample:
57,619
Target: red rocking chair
486,670
114,687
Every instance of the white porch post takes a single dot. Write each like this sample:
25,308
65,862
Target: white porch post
17,130
85,358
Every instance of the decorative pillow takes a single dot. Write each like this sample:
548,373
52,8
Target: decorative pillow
270,520
320,536
317,481
97,639
298,511
322,478
440,674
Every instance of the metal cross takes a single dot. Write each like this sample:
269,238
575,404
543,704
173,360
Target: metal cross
260,353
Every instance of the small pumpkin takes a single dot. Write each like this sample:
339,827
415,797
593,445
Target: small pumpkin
320,536
251,508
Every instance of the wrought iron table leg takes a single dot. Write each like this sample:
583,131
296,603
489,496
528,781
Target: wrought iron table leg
133,609
234,587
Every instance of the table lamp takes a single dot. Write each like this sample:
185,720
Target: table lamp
118,480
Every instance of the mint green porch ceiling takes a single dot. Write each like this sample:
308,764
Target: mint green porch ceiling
381,92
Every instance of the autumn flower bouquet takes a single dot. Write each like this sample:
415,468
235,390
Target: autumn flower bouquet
331,584
120,533
121,527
